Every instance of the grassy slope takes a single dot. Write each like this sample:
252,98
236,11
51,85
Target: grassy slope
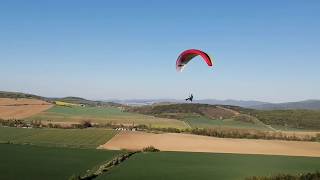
202,115
286,119
296,119
83,138
173,165
103,115
33,162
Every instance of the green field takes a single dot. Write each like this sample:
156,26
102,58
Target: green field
204,122
34,162
80,138
174,165
103,115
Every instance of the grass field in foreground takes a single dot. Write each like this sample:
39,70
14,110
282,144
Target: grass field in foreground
82,138
103,115
34,162
174,165
204,122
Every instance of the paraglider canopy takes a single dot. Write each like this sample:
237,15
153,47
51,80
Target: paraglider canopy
189,54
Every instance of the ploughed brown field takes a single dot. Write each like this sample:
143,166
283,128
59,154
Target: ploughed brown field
21,108
194,143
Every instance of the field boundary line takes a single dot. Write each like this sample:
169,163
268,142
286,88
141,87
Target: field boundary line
105,167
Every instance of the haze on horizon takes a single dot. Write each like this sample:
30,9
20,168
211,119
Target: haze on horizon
267,51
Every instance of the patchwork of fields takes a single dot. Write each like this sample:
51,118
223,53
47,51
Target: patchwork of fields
103,115
60,153
77,138
207,166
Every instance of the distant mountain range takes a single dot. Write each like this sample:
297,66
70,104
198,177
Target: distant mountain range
308,104
202,101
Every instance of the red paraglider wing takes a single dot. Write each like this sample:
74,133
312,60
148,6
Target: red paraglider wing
187,55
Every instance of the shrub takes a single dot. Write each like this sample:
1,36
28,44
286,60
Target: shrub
244,118
50,125
86,124
74,177
57,126
150,149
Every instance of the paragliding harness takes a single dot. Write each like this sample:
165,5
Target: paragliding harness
190,98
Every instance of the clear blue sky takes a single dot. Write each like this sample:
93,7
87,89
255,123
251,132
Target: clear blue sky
264,50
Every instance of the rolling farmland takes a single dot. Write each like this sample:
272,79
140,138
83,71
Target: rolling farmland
34,144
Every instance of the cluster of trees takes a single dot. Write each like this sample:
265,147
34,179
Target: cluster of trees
20,123
39,124
82,125
150,149
251,134
303,176
155,129
11,123
114,125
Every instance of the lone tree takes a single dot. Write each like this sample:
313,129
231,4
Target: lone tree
86,124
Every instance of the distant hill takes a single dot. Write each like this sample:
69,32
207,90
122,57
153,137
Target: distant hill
180,111
75,100
78,100
308,104
5,94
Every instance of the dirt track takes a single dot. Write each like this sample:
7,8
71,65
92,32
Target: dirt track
21,108
193,143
